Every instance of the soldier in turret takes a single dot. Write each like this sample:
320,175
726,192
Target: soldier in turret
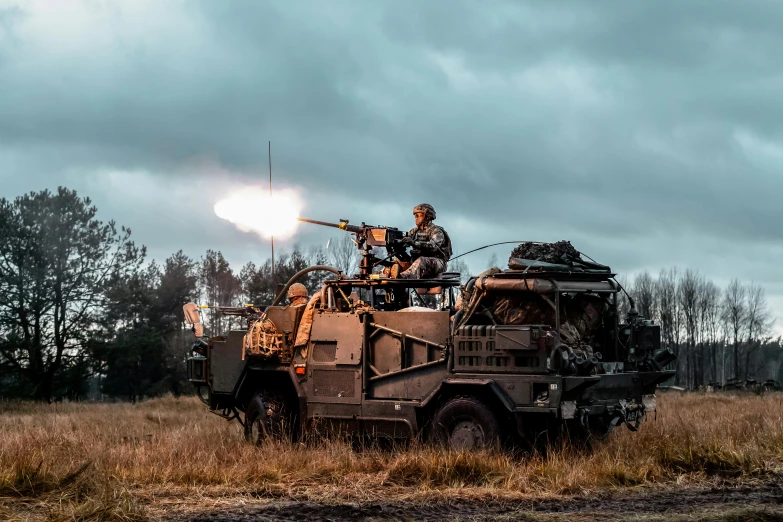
297,294
430,246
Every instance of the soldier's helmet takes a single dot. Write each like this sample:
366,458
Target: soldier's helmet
297,290
428,210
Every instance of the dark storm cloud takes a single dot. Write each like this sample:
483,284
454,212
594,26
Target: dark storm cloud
614,124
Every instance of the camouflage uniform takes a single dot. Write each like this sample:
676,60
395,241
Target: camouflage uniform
431,250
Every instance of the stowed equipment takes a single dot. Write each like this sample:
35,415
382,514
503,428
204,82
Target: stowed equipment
263,338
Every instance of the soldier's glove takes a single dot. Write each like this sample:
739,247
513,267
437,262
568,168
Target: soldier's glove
407,240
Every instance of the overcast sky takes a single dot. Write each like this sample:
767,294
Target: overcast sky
647,134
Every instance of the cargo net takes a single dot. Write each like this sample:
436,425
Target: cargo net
554,257
263,340
560,252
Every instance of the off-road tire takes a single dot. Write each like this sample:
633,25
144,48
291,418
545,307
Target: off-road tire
465,423
266,418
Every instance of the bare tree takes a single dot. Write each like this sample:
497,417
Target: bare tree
736,310
493,260
645,295
725,330
710,315
316,255
669,306
461,267
343,254
710,311
758,320
688,295
623,305
759,317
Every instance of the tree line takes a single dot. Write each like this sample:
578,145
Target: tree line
85,312
719,334
83,307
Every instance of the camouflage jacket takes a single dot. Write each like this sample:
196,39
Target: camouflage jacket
430,241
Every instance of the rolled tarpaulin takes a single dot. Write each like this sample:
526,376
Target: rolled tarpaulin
540,286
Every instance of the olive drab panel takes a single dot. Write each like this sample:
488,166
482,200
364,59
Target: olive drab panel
227,363
334,360
285,317
406,353
501,349
398,341
343,329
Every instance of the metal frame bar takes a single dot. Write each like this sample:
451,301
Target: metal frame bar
380,376
395,332
403,350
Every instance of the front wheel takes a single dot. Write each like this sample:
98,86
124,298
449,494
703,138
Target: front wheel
465,423
266,418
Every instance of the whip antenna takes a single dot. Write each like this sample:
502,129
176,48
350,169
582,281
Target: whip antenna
482,248
274,280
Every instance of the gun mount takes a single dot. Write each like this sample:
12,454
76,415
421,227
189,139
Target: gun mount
367,239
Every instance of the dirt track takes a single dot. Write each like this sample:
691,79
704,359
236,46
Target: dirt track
763,502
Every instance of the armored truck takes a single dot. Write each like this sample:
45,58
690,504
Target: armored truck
513,354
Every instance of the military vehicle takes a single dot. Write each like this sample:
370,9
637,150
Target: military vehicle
511,355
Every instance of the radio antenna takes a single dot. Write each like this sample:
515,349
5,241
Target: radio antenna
274,280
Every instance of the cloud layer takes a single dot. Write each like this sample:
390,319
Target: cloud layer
648,134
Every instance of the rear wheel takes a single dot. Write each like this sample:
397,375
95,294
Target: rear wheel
465,423
266,418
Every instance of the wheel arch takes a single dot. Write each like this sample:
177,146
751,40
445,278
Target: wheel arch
255,379
485,390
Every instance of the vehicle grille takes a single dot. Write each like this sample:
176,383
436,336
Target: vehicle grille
333,383
324,351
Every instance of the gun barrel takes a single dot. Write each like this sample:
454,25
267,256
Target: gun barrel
342,225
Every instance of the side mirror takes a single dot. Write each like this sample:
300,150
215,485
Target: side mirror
198,329
191,313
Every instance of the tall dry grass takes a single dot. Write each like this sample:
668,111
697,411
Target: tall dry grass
107,461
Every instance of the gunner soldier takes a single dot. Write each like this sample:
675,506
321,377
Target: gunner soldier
430,245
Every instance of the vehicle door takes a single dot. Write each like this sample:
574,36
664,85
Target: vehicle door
334,369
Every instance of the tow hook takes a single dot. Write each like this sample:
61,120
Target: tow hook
584,417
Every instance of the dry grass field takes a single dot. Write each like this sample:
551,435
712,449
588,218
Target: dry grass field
169,458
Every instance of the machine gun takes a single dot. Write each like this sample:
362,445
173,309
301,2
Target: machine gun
369,237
